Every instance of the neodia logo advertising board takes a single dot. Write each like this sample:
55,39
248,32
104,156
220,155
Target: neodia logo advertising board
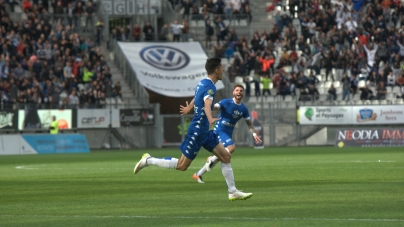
369,137
170,69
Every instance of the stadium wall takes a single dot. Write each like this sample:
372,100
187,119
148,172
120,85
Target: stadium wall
43,144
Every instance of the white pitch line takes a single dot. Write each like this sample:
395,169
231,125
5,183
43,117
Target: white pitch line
370,161
46,168
24,167
227,218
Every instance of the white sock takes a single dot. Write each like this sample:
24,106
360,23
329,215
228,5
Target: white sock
228,175
215,159
168,163
201,171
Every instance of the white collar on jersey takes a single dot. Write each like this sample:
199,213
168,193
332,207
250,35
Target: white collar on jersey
210,79
236,102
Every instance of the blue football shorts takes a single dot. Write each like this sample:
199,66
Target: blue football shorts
195,140
225,138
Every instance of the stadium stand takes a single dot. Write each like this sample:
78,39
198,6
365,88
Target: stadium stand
45,59
312,46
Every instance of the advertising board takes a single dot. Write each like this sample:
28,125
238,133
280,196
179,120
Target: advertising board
325,115
32,118
369,138
351,115
97,118
136,117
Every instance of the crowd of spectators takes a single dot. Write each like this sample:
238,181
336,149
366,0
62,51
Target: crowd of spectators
213,13
45,61
227,9
358,45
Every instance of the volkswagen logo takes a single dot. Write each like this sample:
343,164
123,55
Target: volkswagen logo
163,57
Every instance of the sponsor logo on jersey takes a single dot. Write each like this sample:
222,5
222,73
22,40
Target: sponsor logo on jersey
237,114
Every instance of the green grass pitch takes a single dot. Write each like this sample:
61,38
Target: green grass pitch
305,186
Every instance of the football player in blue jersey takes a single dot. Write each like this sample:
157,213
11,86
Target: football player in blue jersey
231,111
199,134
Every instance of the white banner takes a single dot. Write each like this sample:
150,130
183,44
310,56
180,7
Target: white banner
13,145
131,7
325,115
170,69
351,115
371,115
97,118
42,144
31,118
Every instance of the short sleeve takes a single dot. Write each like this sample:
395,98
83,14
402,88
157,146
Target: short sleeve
246,114
209,92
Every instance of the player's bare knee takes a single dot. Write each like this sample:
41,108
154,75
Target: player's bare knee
231,148
182,167
226,157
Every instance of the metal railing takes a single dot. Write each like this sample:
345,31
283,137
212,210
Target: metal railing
128,72
109,103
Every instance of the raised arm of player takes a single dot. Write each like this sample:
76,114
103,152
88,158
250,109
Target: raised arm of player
188,108
252,130
208,112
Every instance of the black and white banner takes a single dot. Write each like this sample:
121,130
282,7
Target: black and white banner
32,118
97,118
169,69
136,117
8,119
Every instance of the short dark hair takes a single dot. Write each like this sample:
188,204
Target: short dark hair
212,64
238,85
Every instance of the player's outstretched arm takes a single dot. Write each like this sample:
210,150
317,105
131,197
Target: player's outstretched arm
188,108
252,130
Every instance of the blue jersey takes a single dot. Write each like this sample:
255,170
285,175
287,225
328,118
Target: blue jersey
230,113
205,90
199,134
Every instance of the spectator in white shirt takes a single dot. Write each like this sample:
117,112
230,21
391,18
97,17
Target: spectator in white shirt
176,29
339,8
340,21
236,6
351,25
371,55
391,79
311,26
349,5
